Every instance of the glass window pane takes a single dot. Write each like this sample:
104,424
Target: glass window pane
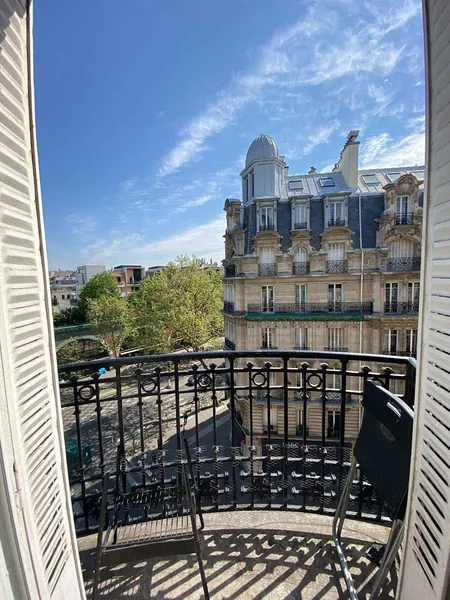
326,182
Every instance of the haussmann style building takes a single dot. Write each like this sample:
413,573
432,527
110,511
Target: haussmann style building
321,261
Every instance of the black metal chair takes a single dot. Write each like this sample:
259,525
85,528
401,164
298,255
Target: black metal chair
383,452
151,522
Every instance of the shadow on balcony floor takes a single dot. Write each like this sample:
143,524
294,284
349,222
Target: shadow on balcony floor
251,556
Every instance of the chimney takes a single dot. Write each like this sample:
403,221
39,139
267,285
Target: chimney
312,170
348,160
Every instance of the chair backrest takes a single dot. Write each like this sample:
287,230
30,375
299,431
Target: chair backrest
383,447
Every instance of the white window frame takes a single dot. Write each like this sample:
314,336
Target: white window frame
334,419
393,334
273,419
403,205
264,212
337,294
413,292
411,341
267,337
335,338
389,288
268,298
301,293
301,337
370,182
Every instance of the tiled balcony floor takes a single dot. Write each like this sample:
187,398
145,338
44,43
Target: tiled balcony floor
250,556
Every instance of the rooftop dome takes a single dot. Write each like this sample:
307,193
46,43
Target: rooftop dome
262,147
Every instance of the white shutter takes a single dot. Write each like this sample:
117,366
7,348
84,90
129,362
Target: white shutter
336,252
401,249
426,564
267,256
32,462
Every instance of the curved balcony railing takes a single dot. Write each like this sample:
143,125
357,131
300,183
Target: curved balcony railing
404,263
337,266
336,223
301,225
300,268
266,227
311,308
230,271
401,308
404,218
267,269
224,403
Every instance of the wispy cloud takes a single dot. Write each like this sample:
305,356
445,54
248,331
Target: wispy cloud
383,151
81,224
302,55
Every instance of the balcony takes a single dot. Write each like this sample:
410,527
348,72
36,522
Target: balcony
147,404
401,308
404,218
337,266
229,345
300,268
336,223
230,271
228,307
311,308
266,227
393,352
300,225
267,270
402,264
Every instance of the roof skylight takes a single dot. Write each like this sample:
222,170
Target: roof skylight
296,185
370,179
326,182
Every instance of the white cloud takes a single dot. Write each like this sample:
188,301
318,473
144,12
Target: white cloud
204,240
82,224
383,151
322,47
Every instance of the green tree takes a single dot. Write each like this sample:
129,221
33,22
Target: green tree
111,320
69,316
70,353
179,307
102,284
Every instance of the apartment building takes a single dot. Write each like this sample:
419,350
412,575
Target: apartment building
85,274
322,261
128,277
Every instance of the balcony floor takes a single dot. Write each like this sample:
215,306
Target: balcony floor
251,555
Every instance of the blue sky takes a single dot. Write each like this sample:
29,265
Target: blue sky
145,110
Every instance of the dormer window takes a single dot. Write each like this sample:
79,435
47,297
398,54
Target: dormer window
266,220
392,177
326,182
296,185
370,179
336,214
403,212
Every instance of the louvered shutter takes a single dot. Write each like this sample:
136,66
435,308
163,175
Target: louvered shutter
425,570
32,461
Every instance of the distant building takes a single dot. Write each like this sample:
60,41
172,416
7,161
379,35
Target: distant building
322,261
85,273
152,270
128,277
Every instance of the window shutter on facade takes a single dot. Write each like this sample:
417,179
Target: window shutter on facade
32,465
426,564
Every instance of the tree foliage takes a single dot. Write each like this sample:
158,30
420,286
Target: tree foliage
70,353
110,319
69,316
101,284
179,306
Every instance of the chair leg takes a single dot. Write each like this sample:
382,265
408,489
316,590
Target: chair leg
338,523
395,539
198,552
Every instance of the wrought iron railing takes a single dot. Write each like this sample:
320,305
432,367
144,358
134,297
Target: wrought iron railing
311,307
267,269
412,353
228,307
401,308
336,223
145,405
404,218
336,349
230,271
337,266
229,345
266,227
300,268
300,225
405,263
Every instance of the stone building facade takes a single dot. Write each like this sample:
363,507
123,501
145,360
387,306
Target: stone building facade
322,261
